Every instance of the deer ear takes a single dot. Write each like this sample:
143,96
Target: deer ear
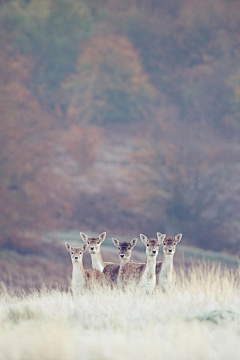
143,238
115,242
133,242
102,236
85,247
84,237
161,237
68,246
178,238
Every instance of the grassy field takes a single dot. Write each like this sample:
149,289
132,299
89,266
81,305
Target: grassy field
199,319
44,259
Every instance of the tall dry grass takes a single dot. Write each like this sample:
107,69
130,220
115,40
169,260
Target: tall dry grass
198,319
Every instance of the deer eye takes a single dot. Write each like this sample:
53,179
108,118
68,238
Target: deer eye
88,242
80,253
72,253
147,244
164,243
98,242
157,244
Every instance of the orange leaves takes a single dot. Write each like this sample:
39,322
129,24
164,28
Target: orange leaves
17,67
36,190
111,53
82,144
110,84
27,179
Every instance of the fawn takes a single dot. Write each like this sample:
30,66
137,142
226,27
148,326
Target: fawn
82,279
166,275
144,274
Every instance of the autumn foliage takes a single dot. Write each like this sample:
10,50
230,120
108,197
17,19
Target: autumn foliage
120,115
109,84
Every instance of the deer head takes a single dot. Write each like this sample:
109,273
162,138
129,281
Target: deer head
76,253
169,243
93,243
152,245
125,248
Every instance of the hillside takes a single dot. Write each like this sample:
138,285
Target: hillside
121,116
50,265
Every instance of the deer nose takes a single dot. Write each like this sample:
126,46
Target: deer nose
169,250
154,251
122,255
92,247
76,257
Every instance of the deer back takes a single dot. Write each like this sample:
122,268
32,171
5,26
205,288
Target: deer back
93,277
111,273
132,272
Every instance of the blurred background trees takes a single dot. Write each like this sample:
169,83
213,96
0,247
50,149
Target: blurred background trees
122,116
51,31
189,183
109,84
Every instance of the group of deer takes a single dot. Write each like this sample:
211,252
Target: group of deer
147,276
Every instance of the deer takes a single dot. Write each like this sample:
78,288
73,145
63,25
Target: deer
81,278
110,270
125,252
144,275
94,245
165,272
125,249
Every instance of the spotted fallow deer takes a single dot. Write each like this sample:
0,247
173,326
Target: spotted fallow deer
81,278
94,245
144,274
110,270
166,275
125,252
125,249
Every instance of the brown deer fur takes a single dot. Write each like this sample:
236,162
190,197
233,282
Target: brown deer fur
81,278
165,272
94,248
143,274
125,252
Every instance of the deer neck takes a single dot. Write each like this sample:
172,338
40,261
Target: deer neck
97,261
167,267
121,270
77,273
123,262
148,277
150,266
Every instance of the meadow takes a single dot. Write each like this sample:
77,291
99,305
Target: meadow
198,319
